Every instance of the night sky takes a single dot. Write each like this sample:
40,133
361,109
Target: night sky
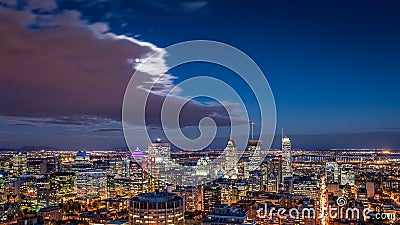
333,66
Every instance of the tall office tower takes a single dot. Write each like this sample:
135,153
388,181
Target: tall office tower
255,180
25,186
139,178
160,151
57,164
159,159
36,166
347,175
64,184
82,162
192,198
211,196
287,170
332,172
226,191
115,168
271,172
159,208
20,163
230,166
91,183
9,194
254,150
223,214
201,167
5,164
126,167
111,187
307,186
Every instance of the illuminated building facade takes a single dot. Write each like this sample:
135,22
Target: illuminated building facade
332,172
159,159
223,214
211,196
20,163
230,167
64,184
159,208
287,169
91,184
254,151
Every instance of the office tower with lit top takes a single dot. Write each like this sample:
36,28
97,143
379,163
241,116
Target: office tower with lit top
201,166
287,170
159,157
20,163
137,175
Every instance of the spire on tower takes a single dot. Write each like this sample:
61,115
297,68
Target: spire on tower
252,130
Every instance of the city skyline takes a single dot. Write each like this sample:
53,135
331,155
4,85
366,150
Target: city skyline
138,112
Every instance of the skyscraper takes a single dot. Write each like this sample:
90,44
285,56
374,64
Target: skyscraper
20,163
254,149
332,172
91,183
211,196
231,160
202,168
271,170
287,170
159,157
64,184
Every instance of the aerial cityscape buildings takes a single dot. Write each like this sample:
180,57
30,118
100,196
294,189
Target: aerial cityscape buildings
164,112
116,187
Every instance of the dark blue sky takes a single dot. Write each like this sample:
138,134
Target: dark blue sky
333,66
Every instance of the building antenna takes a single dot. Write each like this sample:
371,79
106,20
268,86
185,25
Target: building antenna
252,130
282,133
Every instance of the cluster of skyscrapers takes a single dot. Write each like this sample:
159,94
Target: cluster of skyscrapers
150,186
